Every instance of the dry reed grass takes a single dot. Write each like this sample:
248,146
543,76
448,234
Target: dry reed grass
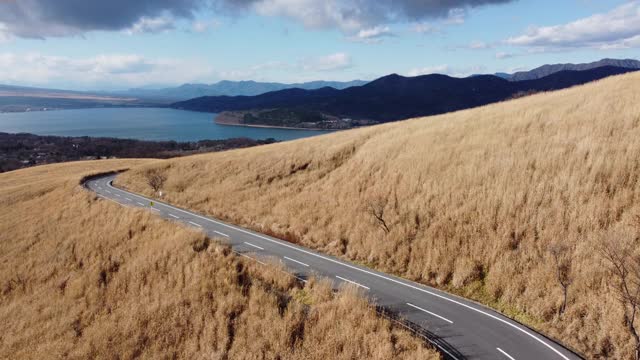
473,200
87,279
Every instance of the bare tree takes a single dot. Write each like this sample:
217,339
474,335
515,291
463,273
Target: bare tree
376,209
155,179
624,268
562,259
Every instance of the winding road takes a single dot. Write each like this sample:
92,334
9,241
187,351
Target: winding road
460,328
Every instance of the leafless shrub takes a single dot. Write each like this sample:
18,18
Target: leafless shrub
620,253
156,179
562,261
375,208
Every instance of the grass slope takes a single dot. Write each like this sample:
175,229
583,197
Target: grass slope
472,200
82,278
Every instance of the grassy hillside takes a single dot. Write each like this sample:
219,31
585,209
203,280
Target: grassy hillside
82,278
472,201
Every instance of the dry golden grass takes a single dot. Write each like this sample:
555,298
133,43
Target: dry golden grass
82,278
473,200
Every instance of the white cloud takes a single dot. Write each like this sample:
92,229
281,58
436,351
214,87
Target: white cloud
333,62
446,70
201,26
504,55
425,28
53,18
628,43
372,35
353,16
303,69
238,74
258,71
151,25
312,14
107,70
5,35
618,28
456,16
479,45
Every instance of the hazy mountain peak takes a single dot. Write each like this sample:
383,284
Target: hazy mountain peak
549,69
235,88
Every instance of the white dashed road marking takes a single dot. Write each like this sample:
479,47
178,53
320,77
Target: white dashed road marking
352,282
255,246
430,313
296,261
505,354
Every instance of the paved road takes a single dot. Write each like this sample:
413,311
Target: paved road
462,329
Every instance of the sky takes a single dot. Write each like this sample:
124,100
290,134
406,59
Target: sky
119,44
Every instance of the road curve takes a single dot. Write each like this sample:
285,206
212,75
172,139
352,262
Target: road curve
460,328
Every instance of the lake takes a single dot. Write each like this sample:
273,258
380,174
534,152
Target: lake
137,123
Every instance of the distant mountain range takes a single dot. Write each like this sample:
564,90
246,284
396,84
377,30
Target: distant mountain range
232,88
396,97
547,70
388,98
22,98
253,88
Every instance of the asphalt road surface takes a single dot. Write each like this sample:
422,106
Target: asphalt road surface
460,328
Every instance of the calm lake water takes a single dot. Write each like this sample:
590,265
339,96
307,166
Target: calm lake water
137,123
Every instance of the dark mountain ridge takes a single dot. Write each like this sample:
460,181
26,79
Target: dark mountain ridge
394,97
546,70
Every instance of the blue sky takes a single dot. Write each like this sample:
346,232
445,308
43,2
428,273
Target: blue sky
78,44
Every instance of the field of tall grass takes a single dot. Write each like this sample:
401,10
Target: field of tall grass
506,203
83,278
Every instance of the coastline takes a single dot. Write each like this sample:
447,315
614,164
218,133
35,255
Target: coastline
231,118
275,127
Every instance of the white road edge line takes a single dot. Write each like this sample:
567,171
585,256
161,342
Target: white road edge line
430,313
255,246
516,327
154,209
192,223
353,282
296,261
219,233
173,216
505,354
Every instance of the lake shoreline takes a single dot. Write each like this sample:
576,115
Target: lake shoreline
232,119
140,123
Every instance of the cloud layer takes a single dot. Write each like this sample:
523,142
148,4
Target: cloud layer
107,70
131,70
333,62
46,18
618,28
